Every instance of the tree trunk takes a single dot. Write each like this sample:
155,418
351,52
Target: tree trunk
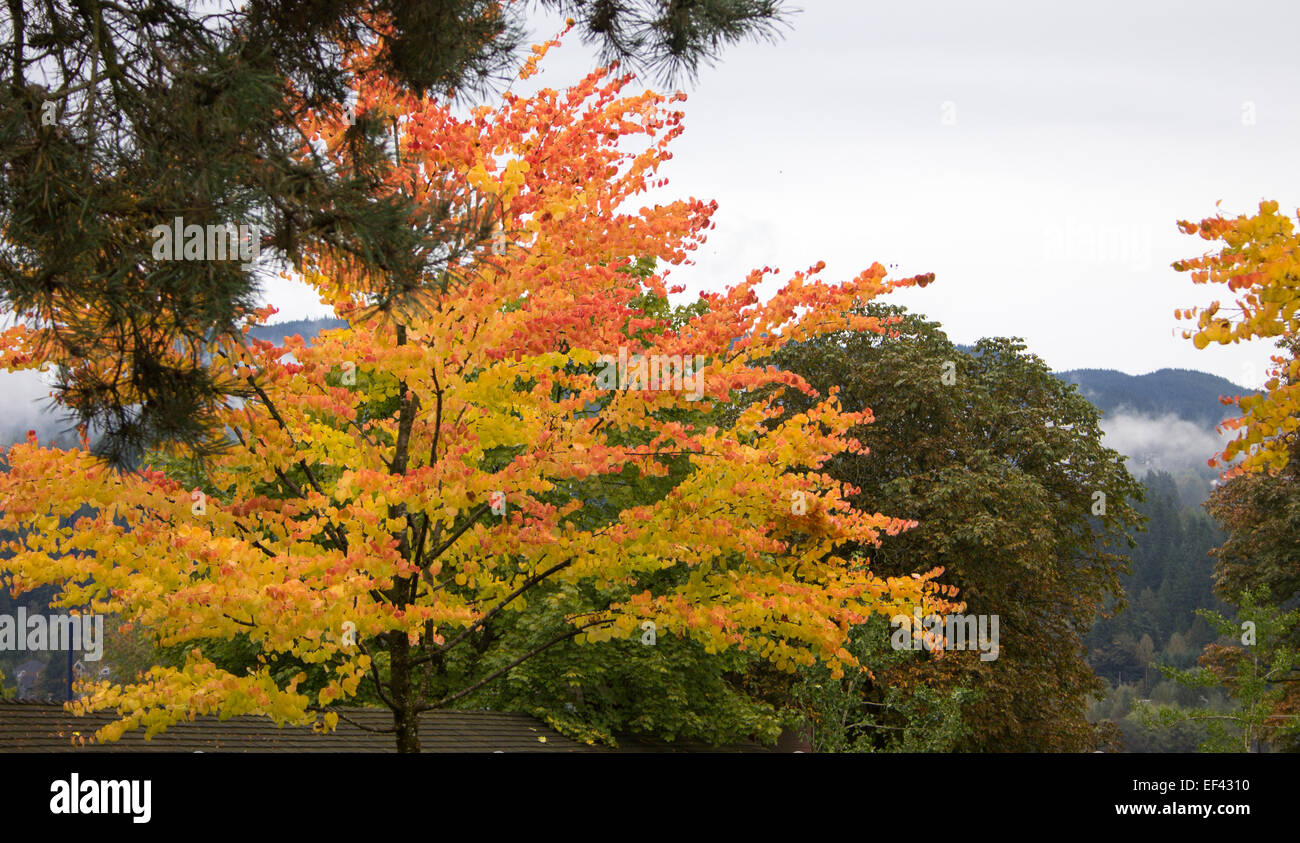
405,719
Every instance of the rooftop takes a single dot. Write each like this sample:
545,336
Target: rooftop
30,726
47,727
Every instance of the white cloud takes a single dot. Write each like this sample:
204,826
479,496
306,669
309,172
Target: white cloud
1161,443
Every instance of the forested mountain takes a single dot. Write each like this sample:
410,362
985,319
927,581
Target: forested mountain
1165,421
1186,393
1171,577
307,327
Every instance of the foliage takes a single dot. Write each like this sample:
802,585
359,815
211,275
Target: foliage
1254,670
1258,263
453,457
673,690
999,462
918,719
1182,735
1261,513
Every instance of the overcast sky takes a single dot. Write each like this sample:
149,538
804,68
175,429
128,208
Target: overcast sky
1035,156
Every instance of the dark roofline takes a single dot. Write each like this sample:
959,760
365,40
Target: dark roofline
38,726
30,726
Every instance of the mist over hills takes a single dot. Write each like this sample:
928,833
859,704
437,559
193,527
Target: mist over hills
1164,421
1186,393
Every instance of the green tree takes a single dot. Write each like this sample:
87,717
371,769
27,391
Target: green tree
1261,513
1255,670
915,719
1002,466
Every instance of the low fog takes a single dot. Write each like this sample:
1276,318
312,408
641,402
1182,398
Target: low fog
1167,443
1163,443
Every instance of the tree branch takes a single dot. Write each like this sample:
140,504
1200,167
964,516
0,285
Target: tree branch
474,517
529,583
525,657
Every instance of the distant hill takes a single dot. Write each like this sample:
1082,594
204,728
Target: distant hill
308,328
1188,394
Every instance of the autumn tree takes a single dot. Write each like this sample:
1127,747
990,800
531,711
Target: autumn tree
1002,466
116,117
662,687
1261,514
399,491
1259,263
